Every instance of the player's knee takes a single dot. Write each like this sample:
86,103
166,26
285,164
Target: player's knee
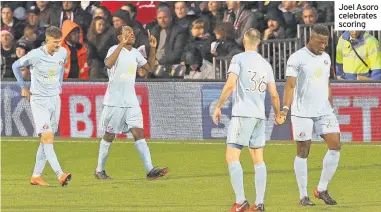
303,152
138,133
47,137
109,137
335,146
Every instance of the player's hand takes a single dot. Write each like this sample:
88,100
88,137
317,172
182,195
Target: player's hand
152,40
128,39
280,119
25,93
217,116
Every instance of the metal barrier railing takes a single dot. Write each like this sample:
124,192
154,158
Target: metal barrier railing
304,31
277,53
221,66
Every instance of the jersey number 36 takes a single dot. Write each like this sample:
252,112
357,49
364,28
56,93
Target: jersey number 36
258,83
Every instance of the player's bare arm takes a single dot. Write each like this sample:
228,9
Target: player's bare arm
17,72
110,61
288,94
275,102
226,91
150,66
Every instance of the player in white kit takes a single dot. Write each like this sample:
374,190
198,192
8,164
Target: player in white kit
46,65
250,75
308,89
122,112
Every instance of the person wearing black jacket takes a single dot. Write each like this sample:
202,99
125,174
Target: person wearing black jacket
170,37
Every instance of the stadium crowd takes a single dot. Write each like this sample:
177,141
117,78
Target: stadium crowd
188,33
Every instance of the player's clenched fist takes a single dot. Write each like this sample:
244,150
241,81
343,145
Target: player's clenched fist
280,119
217,116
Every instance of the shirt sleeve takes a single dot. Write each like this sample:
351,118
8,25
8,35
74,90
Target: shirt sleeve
140,59
28,59
110,51
235,66
293,66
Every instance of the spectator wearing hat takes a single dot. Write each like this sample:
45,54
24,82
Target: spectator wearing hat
171,38
8,53
78,54
276,25
22,48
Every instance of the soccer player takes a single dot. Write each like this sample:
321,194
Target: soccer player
309,90
46,65
250,75
122,112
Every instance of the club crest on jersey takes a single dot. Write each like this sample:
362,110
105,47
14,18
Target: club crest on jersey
110,129
45,127
326,62
302,135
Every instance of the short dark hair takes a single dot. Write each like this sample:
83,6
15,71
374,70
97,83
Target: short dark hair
320,29
54,32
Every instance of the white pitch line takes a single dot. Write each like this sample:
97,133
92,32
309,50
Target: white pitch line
177,142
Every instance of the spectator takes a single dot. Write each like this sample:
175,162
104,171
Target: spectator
309,15
8,53
225,46
182,18
71,11
10,22
100,37
72,40
103,12
292,14
214,15
171,38
154,23
31,35
122,18
325,11
366,64
196,67
49,16
34,20
22,48
200,40
241,18
133,11
275,23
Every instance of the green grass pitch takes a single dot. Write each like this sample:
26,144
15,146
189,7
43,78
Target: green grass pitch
197,181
